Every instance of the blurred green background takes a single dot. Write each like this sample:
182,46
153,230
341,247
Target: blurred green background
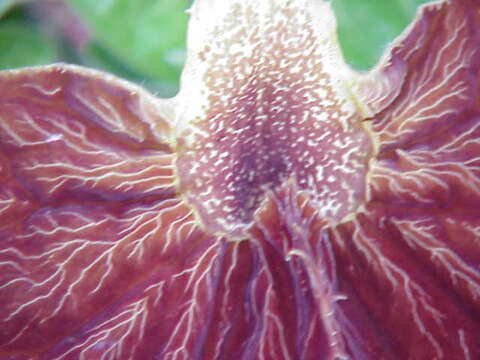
144,40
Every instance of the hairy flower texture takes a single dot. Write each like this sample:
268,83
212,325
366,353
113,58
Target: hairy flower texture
281,206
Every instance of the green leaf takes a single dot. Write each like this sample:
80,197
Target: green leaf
5,6
22,44
146,35
366,27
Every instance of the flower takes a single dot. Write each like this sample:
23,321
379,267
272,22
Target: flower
281,206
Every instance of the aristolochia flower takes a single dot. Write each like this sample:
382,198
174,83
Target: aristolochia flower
281,206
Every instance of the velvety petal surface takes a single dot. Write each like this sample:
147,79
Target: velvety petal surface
91,223
411,255
280,207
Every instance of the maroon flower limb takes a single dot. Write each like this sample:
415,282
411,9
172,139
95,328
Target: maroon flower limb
426,178
414,278
417,238
86,183
71,132
300,267
163,306
426,86
255,215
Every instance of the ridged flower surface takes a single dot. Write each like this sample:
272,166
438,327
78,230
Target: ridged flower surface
281,206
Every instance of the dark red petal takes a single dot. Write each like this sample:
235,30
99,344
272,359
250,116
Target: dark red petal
299,258
71,131
411,258
87,199
428,136
281,295
414,279
100,258
428,80
277,295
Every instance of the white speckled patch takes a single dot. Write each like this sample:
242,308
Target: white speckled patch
267,103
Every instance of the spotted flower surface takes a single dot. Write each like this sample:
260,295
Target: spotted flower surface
281,206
